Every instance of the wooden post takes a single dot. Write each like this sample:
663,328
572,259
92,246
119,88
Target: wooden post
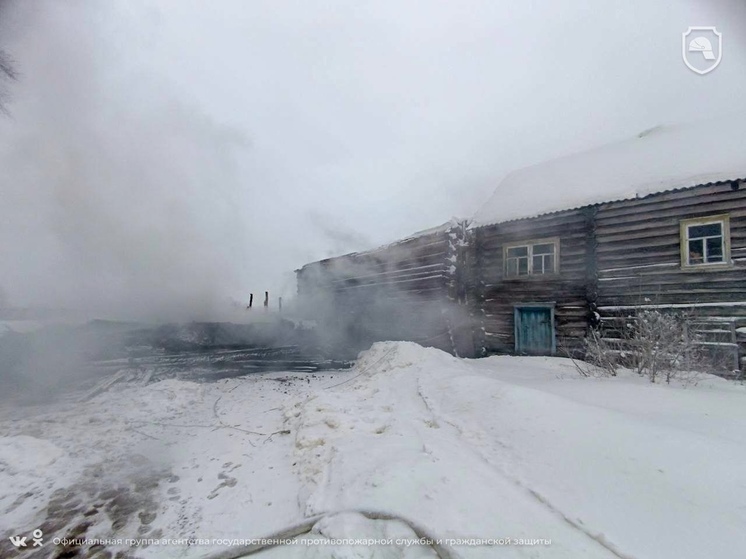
251,300
266,300
591,264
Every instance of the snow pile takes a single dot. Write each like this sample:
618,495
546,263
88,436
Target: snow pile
511,448
659,159
377,443
510,456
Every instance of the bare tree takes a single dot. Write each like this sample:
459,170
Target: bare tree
7,73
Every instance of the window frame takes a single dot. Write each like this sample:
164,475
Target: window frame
685,224
529,245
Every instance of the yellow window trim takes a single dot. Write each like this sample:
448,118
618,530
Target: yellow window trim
684,225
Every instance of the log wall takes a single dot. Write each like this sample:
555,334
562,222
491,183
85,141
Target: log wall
639,248
639,256
448,288
405,291
568,290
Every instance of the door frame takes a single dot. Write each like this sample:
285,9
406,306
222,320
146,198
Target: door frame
516,321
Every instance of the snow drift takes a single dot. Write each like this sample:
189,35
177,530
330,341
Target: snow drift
510,456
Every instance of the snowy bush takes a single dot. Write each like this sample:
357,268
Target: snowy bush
656,344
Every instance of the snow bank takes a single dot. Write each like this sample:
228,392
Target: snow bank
662,158
525,448
520,454
376,443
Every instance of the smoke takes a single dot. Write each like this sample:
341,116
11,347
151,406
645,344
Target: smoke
338,238
409,291
120,198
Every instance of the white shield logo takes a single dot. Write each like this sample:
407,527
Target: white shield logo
702,49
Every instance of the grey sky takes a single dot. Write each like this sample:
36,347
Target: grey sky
165,155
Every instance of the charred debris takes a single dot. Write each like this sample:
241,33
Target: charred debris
64,359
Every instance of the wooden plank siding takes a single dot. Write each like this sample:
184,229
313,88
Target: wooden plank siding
568,289
639,256
412,266
448,288
614,257
639,246
404,291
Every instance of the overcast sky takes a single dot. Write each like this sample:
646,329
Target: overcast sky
165,155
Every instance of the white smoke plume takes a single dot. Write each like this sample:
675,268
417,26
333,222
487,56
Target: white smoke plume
118,197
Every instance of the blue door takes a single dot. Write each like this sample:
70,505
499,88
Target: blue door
534,330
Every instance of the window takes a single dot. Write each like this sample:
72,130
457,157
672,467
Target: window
705,241
532,258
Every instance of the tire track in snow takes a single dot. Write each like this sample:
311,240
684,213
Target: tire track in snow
535,495
316,446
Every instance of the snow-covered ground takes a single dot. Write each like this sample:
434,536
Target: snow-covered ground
521,451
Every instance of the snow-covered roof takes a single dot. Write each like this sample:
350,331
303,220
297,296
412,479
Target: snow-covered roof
662,158
442,228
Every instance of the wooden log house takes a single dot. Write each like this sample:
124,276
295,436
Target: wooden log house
658,221
408,290
541,282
